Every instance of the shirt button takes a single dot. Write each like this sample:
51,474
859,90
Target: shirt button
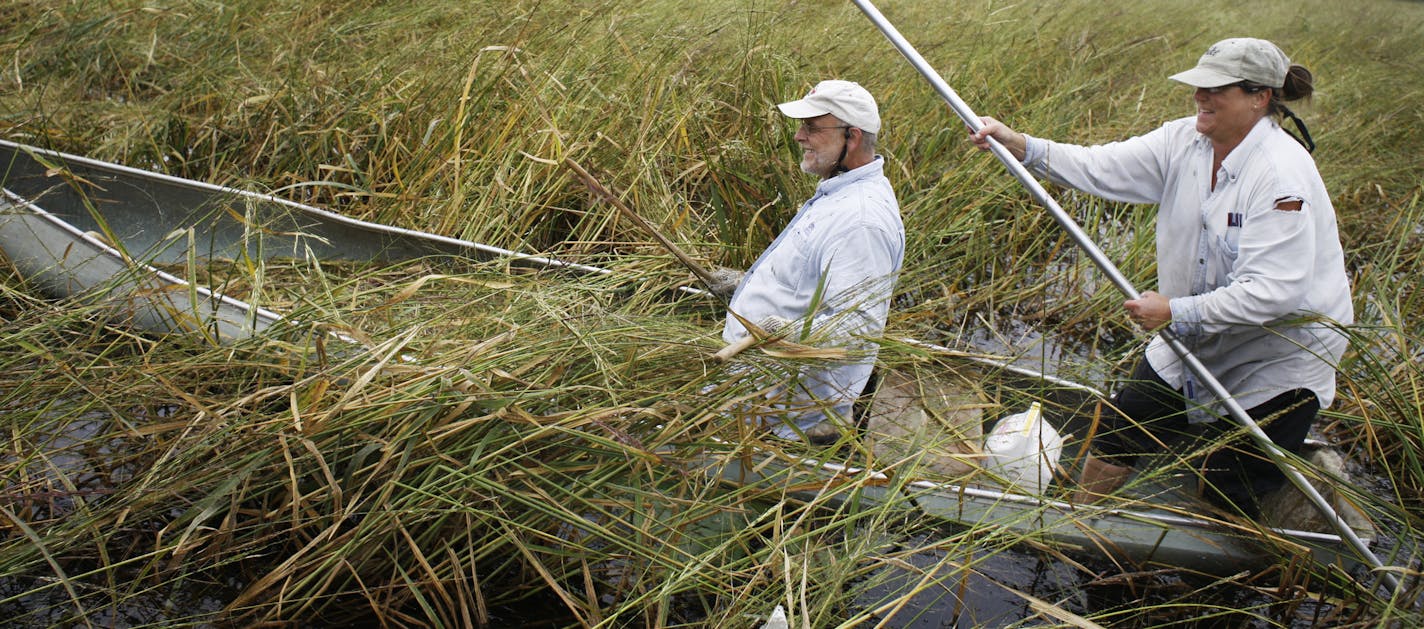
1201,260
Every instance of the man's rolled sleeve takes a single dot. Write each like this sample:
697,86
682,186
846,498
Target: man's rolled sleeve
1186,317
1035,149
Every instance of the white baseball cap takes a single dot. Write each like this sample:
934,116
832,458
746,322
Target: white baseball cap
844,99
1235,60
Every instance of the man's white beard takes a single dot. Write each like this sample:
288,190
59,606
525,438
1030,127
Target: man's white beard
810,167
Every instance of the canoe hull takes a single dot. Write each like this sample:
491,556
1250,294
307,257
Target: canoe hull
78,227
65,262
1134,539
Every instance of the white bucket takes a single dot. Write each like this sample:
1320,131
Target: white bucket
1022,450
777,619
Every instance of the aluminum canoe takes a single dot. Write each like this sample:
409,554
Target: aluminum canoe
80,228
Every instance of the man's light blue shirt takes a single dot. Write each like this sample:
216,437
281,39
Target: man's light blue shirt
834,266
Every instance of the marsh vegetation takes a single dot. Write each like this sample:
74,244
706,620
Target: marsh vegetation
504,443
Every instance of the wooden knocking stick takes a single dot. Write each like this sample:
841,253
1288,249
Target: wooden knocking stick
726,353
598,189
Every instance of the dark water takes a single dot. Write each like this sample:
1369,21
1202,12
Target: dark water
983,597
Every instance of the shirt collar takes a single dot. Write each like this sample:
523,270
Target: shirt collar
1236,159
873,169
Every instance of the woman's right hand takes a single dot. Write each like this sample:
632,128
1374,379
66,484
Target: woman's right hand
1012,140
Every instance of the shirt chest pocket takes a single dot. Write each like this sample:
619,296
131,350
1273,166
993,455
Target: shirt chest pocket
1226,246
1230,239
792,262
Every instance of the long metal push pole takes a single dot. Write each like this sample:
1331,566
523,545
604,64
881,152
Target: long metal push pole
1087,245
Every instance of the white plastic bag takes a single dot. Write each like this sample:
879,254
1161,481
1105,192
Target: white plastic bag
1023,450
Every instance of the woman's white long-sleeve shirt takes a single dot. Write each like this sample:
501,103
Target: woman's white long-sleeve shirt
835,264
1257,293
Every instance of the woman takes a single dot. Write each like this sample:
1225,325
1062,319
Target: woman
1251,276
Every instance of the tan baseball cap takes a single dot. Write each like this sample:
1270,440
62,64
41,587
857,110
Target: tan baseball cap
1235,60
844,99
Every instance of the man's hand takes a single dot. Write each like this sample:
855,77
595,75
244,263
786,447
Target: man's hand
771,326
1012,140
725,281
774,325
1151,310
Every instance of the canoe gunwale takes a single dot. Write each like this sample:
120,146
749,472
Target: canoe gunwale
300,208
1136,536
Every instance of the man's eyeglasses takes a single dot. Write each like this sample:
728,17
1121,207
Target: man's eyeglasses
1249,88
811,129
